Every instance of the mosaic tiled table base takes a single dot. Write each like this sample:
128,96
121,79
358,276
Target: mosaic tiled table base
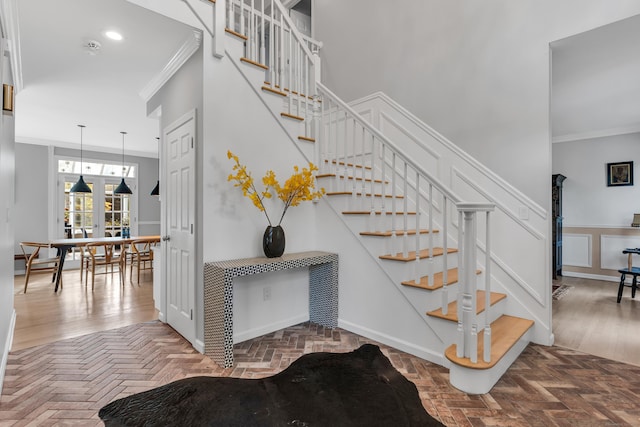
218,295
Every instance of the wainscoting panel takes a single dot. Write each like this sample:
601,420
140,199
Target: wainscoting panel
576,250
601,246
611,256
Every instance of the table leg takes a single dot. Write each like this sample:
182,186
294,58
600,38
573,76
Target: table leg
62,254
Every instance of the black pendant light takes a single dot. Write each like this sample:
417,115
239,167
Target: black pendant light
123,188
80,186
156,189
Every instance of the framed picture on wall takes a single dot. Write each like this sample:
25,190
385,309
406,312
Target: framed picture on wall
619,174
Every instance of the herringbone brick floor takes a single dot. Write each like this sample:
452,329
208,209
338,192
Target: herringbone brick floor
65,383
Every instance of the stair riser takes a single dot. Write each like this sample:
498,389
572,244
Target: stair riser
346,202
447,329
481,381
341,184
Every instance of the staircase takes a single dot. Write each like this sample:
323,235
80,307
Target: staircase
425,237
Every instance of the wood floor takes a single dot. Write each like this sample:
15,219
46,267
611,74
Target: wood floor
43,316
67,381
590,320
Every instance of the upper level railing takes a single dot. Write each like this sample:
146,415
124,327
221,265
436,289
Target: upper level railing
291,59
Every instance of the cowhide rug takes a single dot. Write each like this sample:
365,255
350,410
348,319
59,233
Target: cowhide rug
360,388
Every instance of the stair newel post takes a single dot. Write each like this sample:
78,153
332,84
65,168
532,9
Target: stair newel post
405,218
487,290
445,255
394,209
468,283
417,239
460,264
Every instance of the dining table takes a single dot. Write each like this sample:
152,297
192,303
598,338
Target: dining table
64,245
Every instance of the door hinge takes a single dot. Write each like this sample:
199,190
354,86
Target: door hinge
191,228
191,142
191,314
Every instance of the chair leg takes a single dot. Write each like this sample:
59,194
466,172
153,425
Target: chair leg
634,286
621,287
93,275
26,279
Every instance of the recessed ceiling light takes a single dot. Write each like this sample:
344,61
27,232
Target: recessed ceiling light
113,35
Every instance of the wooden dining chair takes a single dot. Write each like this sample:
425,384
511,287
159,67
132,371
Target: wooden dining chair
35,264
141,257
103,254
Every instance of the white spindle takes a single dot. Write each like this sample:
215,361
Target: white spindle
445,257
417,235
405,218
263,44
394,210
430,269
487,289
372,212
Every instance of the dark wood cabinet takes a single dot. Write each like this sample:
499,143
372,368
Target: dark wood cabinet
556,223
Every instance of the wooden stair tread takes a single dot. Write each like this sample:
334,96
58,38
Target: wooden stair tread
306,138
505,333
350,193
452,310
389,233
274,91
257,64
452,277
291,116
234,33
424,253
375,213
348,164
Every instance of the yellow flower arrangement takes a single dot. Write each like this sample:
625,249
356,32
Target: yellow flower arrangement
300,187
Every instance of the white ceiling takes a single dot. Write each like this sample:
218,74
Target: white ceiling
595,75
64,86
596,82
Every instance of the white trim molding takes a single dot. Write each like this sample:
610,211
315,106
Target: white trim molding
577,250
188,48
11,34
6,349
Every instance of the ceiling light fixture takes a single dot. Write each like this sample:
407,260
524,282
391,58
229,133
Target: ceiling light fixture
80,186
123,188
113,35
156,189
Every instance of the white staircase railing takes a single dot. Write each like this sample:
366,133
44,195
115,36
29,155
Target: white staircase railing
369,167
291,61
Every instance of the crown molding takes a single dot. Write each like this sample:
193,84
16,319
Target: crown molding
597,134
11,33
188,48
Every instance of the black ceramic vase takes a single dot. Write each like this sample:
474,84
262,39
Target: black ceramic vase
273,241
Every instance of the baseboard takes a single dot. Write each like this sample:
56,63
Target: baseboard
6,349
421,352
199,346
591,276
271,327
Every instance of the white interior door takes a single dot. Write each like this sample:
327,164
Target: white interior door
180,206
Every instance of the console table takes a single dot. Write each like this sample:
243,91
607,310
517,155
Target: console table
218,295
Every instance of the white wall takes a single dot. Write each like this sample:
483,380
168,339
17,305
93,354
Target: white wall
477,72
7,215
587,201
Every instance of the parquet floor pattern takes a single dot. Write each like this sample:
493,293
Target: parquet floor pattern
65,383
